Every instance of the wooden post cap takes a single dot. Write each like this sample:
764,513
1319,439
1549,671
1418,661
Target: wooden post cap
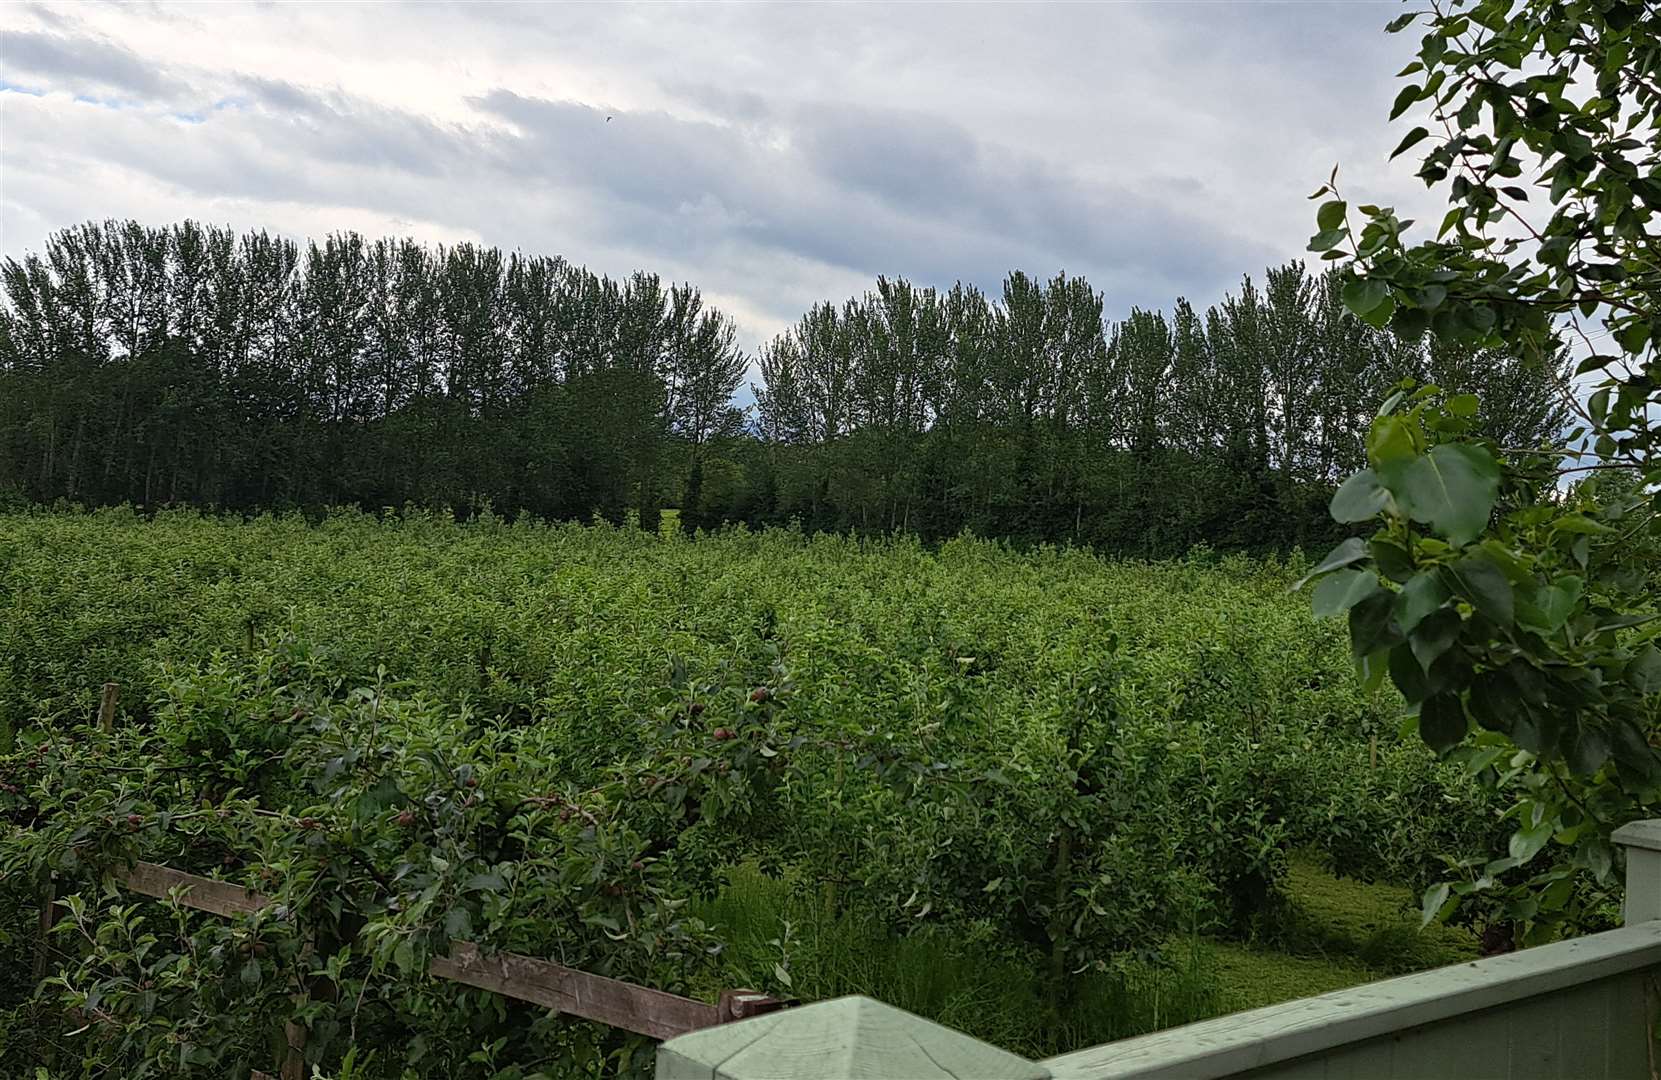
1644,834
850,1038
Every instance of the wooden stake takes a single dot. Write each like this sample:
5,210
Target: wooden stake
106,708
48,917
294,1061
743,1004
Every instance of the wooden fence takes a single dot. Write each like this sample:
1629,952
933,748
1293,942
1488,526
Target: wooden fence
639,1009
624,1005
1583,1009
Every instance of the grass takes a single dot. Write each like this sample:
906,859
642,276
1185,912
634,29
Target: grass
1333,933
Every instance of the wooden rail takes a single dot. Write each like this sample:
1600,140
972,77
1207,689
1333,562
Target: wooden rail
639,1009
578,993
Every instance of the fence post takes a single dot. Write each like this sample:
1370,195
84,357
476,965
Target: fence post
106,707
1642,840
845,1039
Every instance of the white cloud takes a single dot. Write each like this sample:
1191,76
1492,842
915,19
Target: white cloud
773,154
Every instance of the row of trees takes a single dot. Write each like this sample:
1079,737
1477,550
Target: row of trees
1029,416
191,365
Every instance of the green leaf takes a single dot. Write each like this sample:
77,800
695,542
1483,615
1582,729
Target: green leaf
1391,449
1484,585
1527,842
1633,751
1331,214
1405,99
1463,405
1550,606
1495,702
1589,752
1350,551
1363,295
1339,592
1372,668
1435,898
1359,498
1410,323
1644,672
1414,137
1422,595
251,974
1580,523
1452,488
1373,625
1327,239
1408,676
1434,635
1392,559
486,882
1442,722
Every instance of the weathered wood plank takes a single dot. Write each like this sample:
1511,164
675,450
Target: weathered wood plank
201,893
634,1008
106,707
593,997
743,1004
294,1051
48,919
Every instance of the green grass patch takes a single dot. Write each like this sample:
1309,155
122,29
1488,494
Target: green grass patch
1331,933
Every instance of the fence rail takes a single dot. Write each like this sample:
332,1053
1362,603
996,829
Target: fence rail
625,1005
1585,1009
638,1009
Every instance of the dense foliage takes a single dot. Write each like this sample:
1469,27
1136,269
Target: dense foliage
1028,417
556,739
1523,630
191,366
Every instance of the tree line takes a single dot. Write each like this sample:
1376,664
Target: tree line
188,364
191,365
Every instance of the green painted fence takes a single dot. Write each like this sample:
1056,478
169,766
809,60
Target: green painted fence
1584,1009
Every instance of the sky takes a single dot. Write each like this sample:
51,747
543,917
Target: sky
775,155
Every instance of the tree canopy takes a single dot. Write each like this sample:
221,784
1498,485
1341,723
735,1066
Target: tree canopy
1510,590
191,365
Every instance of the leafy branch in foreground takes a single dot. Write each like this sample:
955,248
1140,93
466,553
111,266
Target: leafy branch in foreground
1516,615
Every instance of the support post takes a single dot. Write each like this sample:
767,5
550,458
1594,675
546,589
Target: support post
1642,840
743,1004
106,707
851,1038
294,1051
48,919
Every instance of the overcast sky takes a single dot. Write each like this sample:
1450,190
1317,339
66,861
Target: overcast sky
774,155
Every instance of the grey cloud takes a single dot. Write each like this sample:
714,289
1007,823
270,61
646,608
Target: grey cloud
875,191
336,128
279,95
78,63
1105,140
